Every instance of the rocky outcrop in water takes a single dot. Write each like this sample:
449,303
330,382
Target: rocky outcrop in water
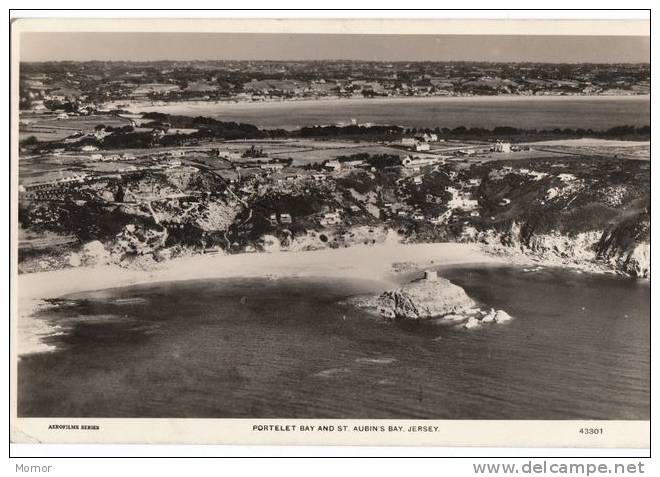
433,298
425,299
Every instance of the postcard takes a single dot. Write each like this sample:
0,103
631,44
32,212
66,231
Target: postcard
417,232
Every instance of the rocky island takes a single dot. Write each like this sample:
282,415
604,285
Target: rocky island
431,297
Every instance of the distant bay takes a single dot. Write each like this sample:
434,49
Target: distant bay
528,112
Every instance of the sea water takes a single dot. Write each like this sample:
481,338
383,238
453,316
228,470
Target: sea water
578,348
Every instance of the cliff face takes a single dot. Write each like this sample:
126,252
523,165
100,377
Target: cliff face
635,262
162,215
589,212
627,247
624,249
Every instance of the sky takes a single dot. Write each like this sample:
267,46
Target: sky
83,46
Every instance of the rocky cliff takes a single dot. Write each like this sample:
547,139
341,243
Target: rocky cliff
624,249
627,247
588,212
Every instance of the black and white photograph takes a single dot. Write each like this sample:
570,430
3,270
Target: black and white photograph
361,224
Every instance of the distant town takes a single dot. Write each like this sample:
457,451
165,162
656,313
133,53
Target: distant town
84,87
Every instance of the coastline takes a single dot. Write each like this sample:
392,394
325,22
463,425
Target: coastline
379,263
370,262
139,106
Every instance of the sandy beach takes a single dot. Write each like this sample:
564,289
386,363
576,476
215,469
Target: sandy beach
191,106
359,262
591,142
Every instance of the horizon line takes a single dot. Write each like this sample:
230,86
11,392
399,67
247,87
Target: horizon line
344,60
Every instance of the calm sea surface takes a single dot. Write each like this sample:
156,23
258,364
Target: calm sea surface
487,112
578,348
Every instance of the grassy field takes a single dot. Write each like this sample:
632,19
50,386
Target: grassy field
310,151
46,127
46,168
639,150
307,151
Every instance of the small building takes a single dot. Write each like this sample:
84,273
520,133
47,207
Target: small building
422,146
413,163
89,148
430,275
408,141
501,146
552,193
100,134
537,176
63,116
432,137
272,166
285,218
334,166
352,164
331,218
